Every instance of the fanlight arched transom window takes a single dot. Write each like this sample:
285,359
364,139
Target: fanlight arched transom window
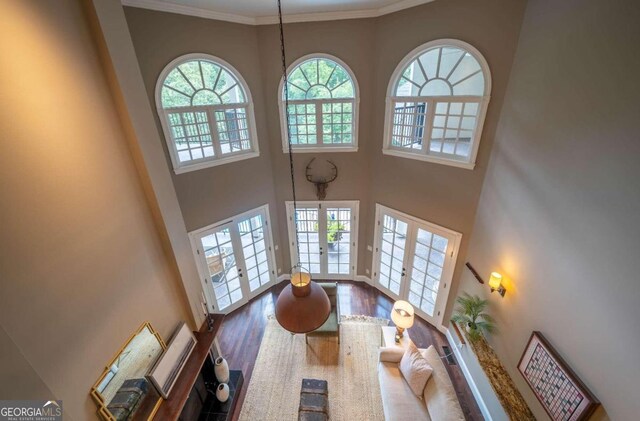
437,102
206,112
323,105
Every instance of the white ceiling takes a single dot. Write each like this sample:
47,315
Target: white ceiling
262,12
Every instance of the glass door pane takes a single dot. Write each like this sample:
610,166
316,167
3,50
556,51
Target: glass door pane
414,261
426,270
307,221
221,266
338,231
392,243
254,251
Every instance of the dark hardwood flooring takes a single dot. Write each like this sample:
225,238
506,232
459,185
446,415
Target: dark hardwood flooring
242,330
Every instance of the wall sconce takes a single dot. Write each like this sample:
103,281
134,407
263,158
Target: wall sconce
495,282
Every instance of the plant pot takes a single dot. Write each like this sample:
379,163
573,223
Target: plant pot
221,369
222,392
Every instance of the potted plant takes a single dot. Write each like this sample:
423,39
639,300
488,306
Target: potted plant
334,231
471,316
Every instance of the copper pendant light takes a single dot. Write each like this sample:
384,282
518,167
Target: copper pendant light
303,305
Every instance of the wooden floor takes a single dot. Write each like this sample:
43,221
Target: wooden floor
241,333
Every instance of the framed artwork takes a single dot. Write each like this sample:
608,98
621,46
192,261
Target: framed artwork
556,386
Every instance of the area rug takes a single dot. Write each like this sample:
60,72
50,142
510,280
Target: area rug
350,368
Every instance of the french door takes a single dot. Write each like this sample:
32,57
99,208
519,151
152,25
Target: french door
414,261
327,237
235,259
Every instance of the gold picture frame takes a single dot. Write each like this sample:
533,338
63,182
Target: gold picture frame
97,395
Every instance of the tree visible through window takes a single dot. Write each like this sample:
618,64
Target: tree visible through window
205,111
322,104
437,102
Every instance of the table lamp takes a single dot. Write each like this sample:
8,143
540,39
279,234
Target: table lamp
402,315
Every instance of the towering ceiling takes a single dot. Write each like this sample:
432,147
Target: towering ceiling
260,12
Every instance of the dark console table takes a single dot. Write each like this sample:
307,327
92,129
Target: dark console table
193,396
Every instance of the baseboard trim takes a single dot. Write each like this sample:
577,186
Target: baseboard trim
357,278
362,278
284,277
467,375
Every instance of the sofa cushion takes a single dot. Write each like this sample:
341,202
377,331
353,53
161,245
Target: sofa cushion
439,394
415,369
398,401
390,354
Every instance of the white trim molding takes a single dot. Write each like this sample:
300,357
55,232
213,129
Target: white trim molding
428,114
354,205
165,6
413,223
283,277
198,251
355,101
467,375
218,158
363,278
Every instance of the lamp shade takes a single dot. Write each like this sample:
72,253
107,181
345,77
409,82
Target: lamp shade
402,314
495,280
303,305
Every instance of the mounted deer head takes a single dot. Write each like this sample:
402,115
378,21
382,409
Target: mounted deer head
321,183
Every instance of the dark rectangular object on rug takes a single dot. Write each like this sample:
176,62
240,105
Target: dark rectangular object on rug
314,400
314,386
312,416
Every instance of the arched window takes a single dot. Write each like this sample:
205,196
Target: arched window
206,112
323,105
436,104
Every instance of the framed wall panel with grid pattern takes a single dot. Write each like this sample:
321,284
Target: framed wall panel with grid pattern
556,386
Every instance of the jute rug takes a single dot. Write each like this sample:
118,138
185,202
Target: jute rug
350,368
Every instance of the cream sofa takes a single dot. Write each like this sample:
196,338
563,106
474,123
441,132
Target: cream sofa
439,401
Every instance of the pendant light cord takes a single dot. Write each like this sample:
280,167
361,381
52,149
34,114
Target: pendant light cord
286,112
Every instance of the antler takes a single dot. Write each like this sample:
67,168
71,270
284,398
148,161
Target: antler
306,171
335,171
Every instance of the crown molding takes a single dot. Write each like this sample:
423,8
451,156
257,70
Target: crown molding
164,6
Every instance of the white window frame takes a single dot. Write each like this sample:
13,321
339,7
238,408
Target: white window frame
355,208
219,159
455,238
425,154
319,147
203,271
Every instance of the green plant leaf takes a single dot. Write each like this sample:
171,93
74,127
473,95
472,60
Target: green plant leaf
470,312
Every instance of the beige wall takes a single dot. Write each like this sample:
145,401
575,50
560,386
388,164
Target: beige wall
19,379
213,194
353,42
210,194
371,48
437,193
560,209
82,262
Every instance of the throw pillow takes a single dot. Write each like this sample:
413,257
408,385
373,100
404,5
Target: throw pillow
415,369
